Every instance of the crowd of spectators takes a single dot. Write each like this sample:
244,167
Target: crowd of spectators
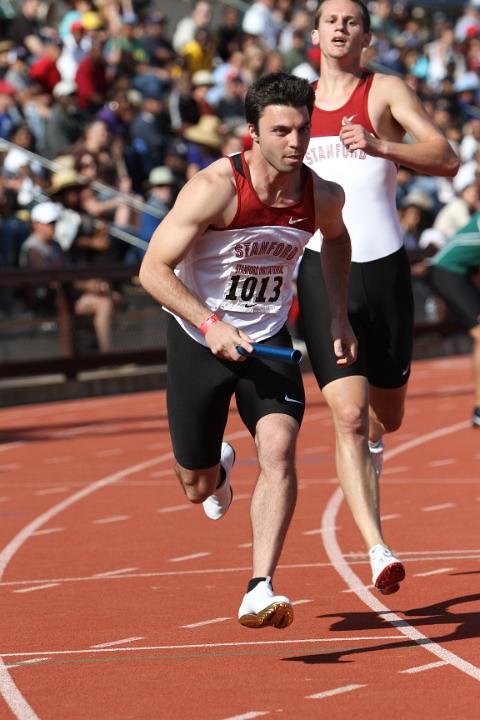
122,104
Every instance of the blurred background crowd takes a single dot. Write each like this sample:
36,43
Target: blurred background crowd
108,107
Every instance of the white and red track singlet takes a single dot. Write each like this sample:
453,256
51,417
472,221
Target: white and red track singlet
369,182
244,272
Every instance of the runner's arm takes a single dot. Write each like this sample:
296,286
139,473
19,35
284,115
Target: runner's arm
202,202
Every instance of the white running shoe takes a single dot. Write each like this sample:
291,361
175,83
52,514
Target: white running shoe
387,570
217,504
261,608
376,453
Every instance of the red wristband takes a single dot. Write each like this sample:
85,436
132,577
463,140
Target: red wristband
207,324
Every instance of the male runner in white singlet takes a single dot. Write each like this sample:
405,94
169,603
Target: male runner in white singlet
358,125
222,262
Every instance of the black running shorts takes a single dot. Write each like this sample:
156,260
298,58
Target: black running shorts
460,293
200,387
380,308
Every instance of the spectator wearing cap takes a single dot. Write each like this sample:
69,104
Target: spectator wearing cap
41,251
204,142
202,82
200,17
73,15
91,77
160,194
149,131
75,48
64,126
159,49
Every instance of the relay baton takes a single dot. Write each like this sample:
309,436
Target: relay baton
284,354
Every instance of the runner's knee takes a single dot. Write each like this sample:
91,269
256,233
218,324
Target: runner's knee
198,485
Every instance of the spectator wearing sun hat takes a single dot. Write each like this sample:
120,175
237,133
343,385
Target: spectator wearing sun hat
204,142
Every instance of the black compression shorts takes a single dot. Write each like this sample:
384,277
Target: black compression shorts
200,387
380,308
460,293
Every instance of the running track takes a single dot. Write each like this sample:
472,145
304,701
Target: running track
119,599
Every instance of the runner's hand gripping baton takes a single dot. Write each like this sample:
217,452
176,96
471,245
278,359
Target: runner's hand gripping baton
284,354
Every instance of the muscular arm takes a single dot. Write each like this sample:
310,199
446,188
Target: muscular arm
201,203
336,258
396,106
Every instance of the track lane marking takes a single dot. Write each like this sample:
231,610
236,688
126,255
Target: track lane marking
112,643
423,668
36,587
204,646
434,508
335,555
194,556
473,555
434,572
249,715
201,623
335,691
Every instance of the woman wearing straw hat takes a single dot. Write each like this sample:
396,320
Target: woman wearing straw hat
204,141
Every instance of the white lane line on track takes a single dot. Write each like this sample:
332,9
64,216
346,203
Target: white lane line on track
175,508
36,587
206,646
57,460
301,602
194,556
392,516
8,690
335,691
440,571
422,668
7,468
52,490
201,623
5,497
319,531
353,581
33,661
112,573
108,453
441,463
111,519
248,715
467,555
10,446
434,508
48,531
112,643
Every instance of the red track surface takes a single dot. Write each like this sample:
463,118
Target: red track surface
119,599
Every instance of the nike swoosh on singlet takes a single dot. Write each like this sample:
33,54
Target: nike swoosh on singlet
294,221
289,399
348,120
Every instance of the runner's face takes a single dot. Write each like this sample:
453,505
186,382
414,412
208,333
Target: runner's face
283,137
340,29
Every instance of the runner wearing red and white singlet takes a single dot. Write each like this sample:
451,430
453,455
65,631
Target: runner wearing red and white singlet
358,127
221,262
